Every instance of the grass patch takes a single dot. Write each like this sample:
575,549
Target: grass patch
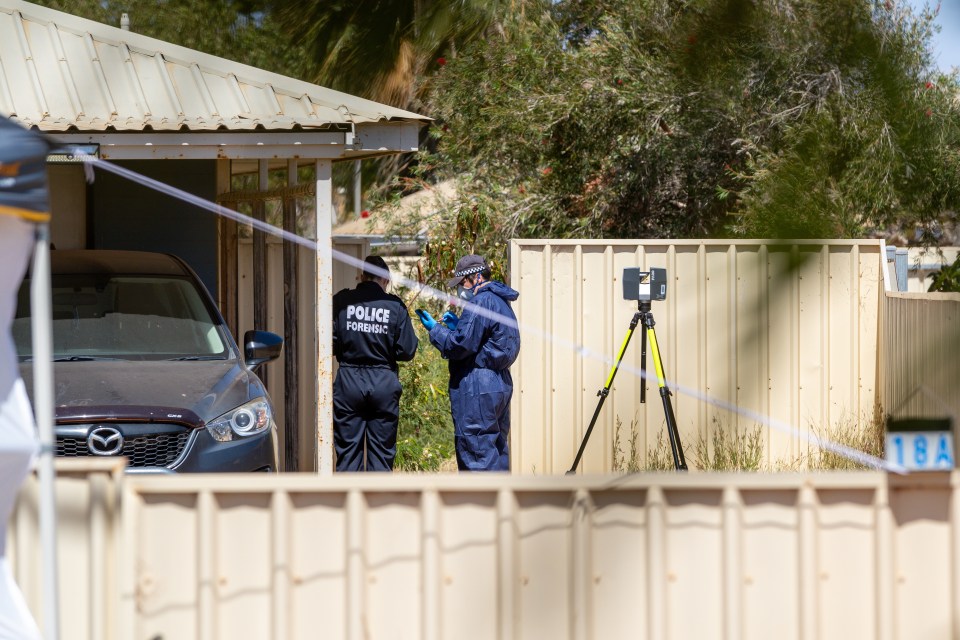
866,436
633,460
740,449
730,449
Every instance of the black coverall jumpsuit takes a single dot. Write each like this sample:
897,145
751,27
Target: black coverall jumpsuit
371,333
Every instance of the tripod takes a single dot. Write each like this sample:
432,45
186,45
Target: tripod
644,315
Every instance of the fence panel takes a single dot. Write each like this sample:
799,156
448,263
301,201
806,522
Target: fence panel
676,556
921,341
787,331
89,538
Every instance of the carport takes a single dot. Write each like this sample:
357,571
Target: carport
134,100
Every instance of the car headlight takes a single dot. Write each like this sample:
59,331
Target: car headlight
246,420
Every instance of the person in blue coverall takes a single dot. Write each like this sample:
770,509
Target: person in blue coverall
480,346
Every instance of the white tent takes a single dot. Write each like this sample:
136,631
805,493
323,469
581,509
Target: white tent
24,212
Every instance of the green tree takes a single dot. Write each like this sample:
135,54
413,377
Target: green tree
619,118
875,142
947,279
383,49
386,51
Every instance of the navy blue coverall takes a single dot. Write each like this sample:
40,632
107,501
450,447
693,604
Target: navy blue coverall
371,333
480,351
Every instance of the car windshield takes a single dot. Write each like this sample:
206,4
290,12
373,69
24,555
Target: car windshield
126,317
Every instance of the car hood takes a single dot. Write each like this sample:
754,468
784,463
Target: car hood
192,392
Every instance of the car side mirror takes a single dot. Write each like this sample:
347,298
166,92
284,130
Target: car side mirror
260,347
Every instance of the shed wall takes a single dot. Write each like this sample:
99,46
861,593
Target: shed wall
129,215
785,331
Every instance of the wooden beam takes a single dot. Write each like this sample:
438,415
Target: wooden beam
227,257
324,318
290,191
260,301
291,315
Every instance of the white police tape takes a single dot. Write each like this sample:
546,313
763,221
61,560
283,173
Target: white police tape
825,443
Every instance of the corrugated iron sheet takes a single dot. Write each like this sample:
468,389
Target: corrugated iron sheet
59,72
833,556
921,368
785,331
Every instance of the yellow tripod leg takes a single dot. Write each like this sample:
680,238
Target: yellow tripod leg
605,391
655,352
616,365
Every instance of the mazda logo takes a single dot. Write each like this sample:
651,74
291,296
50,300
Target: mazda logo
105,441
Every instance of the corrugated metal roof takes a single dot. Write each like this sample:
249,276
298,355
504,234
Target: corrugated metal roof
59,72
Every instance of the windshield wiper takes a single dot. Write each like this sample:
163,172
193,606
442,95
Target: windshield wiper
81,358
181,358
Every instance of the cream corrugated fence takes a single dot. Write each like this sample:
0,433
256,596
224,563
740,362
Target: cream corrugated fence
682,556
921,356
828,555
787,331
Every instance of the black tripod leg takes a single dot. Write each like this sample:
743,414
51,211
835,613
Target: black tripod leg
643,367
603,393
586,436
679,462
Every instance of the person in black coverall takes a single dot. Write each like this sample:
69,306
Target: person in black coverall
371,333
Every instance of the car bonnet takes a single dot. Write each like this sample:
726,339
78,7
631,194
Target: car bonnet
198,391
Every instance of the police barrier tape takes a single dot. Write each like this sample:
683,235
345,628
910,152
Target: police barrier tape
422,289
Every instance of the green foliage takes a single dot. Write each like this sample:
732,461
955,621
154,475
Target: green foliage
425,433
425,436
948,278
381,50
876,144
628,118
475,228
619,118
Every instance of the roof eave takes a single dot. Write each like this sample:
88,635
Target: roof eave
365,141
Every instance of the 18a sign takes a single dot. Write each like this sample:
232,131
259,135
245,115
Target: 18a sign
921,450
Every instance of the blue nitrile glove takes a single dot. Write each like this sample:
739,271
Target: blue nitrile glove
450,319
426,319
